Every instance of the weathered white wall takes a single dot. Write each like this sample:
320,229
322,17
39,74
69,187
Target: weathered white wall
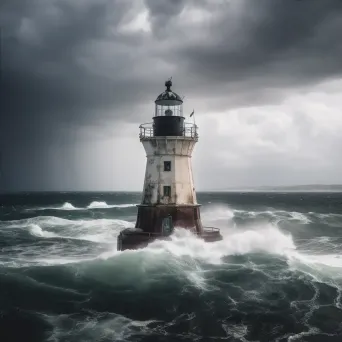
178,150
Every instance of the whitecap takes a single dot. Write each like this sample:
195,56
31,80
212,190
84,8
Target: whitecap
104,205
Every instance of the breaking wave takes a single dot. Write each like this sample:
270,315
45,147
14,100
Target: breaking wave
67,206
266,238
104,205
92,205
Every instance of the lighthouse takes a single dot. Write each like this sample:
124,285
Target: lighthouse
169,197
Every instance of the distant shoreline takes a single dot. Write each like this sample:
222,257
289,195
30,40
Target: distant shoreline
274,191
292,188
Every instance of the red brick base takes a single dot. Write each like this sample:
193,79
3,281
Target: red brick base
150,218
148,226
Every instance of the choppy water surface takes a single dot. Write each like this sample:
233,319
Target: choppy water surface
276,276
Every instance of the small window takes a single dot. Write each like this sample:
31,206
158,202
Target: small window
167,166
167,191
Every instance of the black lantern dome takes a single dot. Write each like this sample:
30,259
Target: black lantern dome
168,119
168,97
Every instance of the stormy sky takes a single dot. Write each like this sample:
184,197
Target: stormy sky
78,77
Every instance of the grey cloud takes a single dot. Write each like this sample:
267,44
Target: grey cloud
161,14
53,54
165,8
67,65
273,41
44,80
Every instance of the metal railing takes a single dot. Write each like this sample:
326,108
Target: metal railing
189,130
146,130
211,229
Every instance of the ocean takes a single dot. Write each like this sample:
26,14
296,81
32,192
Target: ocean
276,275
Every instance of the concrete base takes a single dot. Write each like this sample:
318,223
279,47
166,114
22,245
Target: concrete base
150,218
135,238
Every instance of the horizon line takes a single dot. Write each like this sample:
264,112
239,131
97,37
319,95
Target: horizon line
233,190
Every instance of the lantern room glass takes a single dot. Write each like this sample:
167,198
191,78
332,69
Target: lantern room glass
169,110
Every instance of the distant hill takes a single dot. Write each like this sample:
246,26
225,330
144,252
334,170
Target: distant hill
307,187
298,188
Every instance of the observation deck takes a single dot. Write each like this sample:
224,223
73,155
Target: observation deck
187,130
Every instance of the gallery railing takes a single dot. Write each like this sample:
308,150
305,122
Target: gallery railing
189,130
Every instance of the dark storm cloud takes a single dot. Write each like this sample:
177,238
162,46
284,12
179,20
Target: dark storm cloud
249,52
281,42
45,83
69,64
44,79
162,12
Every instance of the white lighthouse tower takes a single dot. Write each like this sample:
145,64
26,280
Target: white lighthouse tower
169,197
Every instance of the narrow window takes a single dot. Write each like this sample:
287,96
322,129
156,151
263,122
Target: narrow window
167,191
167,166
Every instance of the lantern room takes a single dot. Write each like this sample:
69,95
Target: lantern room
168,119
168,103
